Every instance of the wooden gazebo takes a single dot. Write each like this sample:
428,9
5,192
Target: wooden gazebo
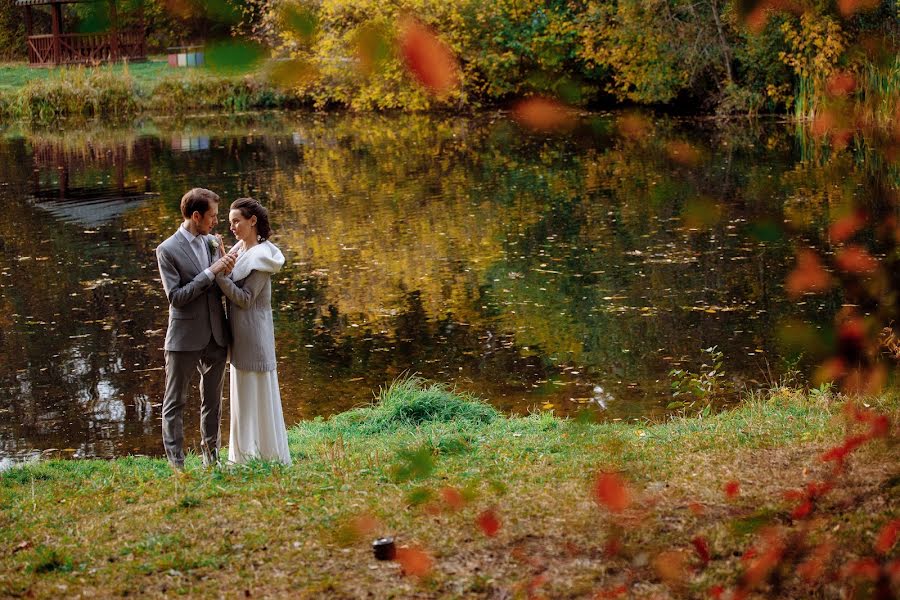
58,47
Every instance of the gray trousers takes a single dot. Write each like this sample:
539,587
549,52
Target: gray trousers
210,362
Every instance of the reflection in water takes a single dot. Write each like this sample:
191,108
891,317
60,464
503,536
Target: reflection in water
536,272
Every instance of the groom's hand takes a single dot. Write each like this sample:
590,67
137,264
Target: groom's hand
223,265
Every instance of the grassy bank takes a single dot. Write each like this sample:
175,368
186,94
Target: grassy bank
490,506
43,95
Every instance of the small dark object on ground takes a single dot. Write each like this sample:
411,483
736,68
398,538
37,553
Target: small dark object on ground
384,548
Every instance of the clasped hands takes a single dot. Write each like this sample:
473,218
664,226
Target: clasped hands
226,261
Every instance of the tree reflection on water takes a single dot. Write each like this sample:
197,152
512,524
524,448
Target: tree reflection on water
527,269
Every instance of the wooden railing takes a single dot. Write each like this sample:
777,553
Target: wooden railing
86,47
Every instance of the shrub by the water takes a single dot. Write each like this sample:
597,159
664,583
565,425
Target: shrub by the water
76,92
411,402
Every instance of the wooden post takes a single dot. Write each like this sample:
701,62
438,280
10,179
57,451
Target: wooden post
29,31
29,23
56,12
114,21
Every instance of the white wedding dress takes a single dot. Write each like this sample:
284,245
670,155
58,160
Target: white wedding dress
257,424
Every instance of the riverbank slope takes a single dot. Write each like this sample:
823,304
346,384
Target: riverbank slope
482,504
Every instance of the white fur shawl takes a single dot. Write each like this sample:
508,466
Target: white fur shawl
265,257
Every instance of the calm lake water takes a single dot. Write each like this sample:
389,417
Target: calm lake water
539,272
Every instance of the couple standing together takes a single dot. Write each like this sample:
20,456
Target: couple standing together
196,273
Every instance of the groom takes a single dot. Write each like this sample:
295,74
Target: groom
197,337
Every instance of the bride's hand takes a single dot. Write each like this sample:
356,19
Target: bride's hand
237,247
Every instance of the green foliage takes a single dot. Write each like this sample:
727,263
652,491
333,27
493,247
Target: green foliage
703,385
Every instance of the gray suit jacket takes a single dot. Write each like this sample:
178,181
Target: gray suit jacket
195,302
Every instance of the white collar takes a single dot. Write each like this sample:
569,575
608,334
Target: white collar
190,237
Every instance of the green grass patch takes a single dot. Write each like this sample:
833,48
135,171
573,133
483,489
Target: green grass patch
386,469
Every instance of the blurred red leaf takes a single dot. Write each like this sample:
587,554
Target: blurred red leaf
864,568
716,592
610,491
807,276
802,510
414,561
830,370
612,547
759,567
428,58
453,498
887,537
697,508
732,489
865,380
701,546
613,592
848,8
488,522
814,566
845,227
854,259
534,583
840,83
543,114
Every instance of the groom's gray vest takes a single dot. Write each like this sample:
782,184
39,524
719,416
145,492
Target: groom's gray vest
195,302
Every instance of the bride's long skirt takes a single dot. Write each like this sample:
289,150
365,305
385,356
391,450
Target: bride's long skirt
257,423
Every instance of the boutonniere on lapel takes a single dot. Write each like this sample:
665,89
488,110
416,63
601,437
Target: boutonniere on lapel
213,244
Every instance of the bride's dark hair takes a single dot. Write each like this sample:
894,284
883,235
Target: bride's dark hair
250,207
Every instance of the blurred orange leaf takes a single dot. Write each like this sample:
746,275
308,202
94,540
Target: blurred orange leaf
808,275
428,58
683,153
414,561
488,522
610,491
453,498
841,83
633,126
543,114
854,259
670,565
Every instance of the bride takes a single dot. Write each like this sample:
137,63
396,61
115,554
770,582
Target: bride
257,423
